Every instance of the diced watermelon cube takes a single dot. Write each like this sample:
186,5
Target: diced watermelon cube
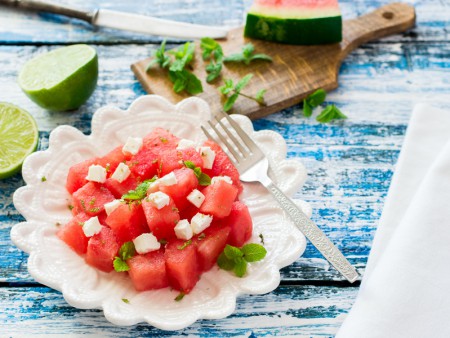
210,245
144,164
169,160
101,250
91,198
148,272
189,212
223,166
161,221
186,182
112,159
181,265
76,178
241,224
160,139
219,198
118,189
127,221
72,234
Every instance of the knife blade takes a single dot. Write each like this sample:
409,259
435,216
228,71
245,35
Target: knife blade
124,20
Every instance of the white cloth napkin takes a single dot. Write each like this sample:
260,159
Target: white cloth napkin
405,291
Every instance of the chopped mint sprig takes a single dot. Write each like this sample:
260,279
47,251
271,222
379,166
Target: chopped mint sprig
232,92
183,57
140,192
180,296
126,251
160,58
237,259
211,50
203,179
312,101
246,55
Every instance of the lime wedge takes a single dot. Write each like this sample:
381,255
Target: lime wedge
19,138
62,79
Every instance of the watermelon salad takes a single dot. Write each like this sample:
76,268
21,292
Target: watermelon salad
159,208
297,22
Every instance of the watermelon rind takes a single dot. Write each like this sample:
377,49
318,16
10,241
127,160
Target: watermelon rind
313,31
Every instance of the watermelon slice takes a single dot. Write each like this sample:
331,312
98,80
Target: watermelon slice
186,182
210,245
101,250
161,221
297,22
72,233
241,224
91,198
127,221
219,198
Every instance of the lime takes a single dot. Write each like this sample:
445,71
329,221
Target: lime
18,138
62,79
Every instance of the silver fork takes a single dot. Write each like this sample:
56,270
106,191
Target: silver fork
253,165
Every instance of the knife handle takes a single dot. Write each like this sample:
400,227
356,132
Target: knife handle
52,8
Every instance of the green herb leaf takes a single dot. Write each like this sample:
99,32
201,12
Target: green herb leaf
331,112
253,252
180,296
307,109
262,57
160,57
212,51
235,58
183,56
127,250
120,265
229,103
227,88
246,55
185,245
189,165
213,70
243,83
260,95
140,192
204,180
225,263
43,179
316,98
232,252
126,301
185,80
240,268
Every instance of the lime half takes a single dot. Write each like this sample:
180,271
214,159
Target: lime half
62,79
18,138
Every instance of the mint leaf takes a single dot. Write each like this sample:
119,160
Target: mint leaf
127,250
159,57
240,268
213,70
189,165
316,98
183,56
140,192
225,263
331,112
120,265
242,83
180,296
229,103
227,88
246,55
235,58
232,252
204,180
253,252
307,109
260,95
212,51
185,80
126,301
262,57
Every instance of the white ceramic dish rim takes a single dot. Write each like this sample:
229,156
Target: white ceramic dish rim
44,204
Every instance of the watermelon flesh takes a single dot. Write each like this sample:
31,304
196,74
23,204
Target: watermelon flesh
127,221
148,272
72,234
91,198
219,198
299,22
211,245
101,250
161,221
240,223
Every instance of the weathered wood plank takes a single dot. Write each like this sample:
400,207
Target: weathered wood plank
287,311
17,28
352,160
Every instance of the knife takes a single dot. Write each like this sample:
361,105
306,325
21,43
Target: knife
124,21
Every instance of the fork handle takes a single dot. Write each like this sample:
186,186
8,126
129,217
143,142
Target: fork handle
316,236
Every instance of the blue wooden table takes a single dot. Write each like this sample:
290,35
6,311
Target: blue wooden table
350,163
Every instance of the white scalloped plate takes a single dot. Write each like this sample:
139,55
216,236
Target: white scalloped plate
51,262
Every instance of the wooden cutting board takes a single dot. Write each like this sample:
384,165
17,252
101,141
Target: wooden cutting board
296,71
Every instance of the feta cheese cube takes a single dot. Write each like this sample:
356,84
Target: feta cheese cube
221,178
132,145
96,173
111,206
159,199
208,155
196,198
185,143
200,222
169,179
183,230
92,227
145,243
121,173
